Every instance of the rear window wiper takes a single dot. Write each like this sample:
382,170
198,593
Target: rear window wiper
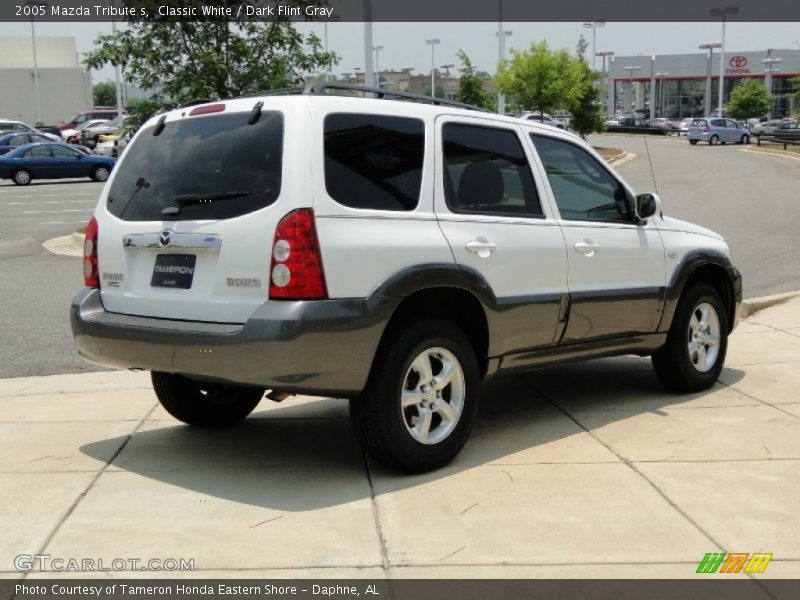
182,200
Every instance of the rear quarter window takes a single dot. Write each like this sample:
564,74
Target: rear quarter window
374,161
201,157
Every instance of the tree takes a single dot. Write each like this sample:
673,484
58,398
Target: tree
796,94
104,94
748,100
540,79
181,61
587,115
470,85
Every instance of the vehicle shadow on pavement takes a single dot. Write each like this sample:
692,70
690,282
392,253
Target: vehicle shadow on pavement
305,456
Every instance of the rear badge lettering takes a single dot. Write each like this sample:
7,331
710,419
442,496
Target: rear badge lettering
173,269
112,279
243,282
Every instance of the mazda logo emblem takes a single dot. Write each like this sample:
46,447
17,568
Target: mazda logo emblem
164,238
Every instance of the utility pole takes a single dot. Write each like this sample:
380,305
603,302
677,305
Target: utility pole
723,12
710,47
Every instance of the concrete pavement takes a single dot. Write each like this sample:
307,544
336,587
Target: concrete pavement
585,471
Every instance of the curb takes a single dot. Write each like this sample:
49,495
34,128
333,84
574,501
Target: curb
77,240
753,305
617,161
768,152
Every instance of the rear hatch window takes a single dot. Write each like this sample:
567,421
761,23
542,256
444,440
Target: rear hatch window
200,168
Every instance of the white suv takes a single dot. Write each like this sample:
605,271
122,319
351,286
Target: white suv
388,251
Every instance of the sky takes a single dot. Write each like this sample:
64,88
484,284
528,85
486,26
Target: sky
404,43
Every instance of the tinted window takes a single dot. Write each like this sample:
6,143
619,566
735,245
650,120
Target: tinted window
19,140
486,172
62,152
38,152
584,189
718,122
201,157
374,161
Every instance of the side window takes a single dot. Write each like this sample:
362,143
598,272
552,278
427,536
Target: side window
718,122
486,172
374,161
61,152
38,152
18,140
584,189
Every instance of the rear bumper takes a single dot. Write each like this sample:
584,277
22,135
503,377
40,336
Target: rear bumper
315,347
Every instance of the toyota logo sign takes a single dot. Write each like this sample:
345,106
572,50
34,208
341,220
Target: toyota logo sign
738,62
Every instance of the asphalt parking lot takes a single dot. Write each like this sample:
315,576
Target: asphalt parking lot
587,471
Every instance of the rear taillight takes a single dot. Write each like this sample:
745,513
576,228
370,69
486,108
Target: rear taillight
706,129
91,273
296,271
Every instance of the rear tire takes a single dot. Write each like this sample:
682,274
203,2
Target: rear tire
21,177
204,404
697,342
713,140
419,405
693,142
100,173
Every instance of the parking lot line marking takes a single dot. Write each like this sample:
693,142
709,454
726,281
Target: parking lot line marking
50,202
40,212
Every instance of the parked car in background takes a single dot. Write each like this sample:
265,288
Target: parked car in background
662,123
543,119
73,136
767,127
53,161
101,113
717,131
90,135
10,141
683,128
7,126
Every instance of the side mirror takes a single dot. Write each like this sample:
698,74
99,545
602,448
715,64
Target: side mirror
647,205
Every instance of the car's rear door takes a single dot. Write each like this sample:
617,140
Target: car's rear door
490,206
187,221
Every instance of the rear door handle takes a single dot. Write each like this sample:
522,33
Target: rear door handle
481,246
587,248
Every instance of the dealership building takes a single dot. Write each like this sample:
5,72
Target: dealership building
676,85
64,87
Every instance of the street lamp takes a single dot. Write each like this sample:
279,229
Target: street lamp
356,70
432,43
660,76
377,50
723,12
770,68
710,47
631,70
446,76
593,26
604,54
39,122
501,56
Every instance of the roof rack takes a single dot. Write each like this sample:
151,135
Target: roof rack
321,88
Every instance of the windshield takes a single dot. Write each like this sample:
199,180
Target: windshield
211,157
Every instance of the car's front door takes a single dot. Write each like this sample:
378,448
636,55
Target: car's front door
616,268
67,163
490,208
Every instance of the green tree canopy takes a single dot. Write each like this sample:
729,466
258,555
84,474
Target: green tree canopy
104,93
748,100
540,79
796,87
182,61
587,114
470,85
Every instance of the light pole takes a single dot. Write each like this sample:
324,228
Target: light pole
593,26
356,70
501,56
39,122
723,12
710,47
660,77
377,50
604,54
770,68
446,76
432,42
117,84
629,95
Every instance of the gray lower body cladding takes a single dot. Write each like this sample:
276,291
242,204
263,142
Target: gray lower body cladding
309,346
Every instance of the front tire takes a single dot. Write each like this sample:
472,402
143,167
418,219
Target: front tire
21,177
204,404
693,142
694,354
745,139
713,140
419,405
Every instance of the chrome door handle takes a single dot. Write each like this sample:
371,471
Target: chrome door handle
587,248
481,246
